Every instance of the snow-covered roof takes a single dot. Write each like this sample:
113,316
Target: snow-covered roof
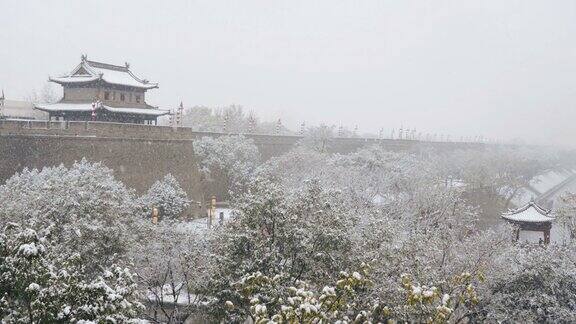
546,181
89,71
138,111
79,107
64,107
530,213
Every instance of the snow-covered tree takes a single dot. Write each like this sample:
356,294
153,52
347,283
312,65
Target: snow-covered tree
168,196
566,214
281,299
48,94
367,236
39,284
318,138
492,176
409,220
296,166
207,119
226,162
171,261
304,234
534,285
87,210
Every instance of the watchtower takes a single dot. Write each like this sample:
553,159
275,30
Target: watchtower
103,92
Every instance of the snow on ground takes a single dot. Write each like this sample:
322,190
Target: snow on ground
201,224
177,296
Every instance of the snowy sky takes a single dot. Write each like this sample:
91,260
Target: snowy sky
498,68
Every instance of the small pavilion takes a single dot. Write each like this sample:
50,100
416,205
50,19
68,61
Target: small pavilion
533,223
95,91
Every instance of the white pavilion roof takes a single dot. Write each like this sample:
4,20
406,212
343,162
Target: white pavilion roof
78,107
530,213
89,71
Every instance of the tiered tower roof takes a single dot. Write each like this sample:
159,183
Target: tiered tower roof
90,71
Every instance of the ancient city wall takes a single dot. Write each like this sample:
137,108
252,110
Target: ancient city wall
142,154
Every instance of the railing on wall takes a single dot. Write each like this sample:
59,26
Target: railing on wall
152,132
106,129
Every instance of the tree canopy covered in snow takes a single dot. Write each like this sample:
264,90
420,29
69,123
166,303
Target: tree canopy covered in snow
85,208
226,162
230,119
369,236
39,284
167,196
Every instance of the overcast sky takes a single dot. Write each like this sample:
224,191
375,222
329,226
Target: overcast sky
498,68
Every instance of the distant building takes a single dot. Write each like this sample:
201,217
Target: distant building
16,109
535,224
103,92
547,188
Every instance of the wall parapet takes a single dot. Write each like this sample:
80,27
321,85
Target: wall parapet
139,131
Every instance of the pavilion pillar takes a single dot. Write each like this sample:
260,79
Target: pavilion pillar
547,235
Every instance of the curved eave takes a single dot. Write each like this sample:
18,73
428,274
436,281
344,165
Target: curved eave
544,219
137,111
59,107
143,86
63,81
73,80
84,107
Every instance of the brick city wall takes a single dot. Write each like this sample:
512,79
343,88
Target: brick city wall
142,154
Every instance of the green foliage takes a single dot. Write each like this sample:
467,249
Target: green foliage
432,304
281,299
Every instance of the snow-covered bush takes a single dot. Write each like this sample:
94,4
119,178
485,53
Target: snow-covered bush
168,196
38,284
87,210
226,162
534,285
282,299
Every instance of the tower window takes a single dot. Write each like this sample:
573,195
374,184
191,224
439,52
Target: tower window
106,95
122,97
138,98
